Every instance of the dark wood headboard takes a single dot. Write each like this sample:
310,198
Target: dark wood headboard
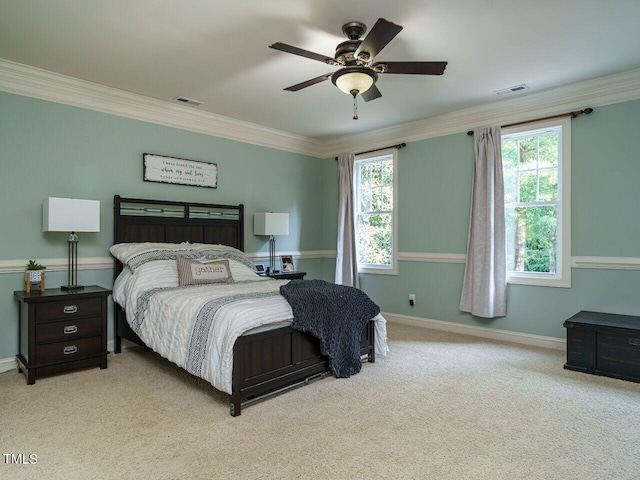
140,220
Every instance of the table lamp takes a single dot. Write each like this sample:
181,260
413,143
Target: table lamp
271,224
71,215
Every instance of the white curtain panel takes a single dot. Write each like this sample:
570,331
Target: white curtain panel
346,262
484,286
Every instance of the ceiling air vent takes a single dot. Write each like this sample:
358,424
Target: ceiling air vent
511,90
190,101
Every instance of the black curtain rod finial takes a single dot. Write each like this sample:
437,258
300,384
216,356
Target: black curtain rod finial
586,111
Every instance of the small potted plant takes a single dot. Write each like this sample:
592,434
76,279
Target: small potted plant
34,269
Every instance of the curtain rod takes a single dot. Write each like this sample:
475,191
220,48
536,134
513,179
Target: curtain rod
575,114
399,146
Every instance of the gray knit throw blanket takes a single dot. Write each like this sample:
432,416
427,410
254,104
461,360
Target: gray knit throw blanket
336,315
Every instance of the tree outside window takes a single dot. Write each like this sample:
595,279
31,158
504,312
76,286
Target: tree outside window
374,216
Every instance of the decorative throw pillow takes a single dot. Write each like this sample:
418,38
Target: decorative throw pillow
193,272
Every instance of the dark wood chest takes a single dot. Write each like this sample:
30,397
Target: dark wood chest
604,344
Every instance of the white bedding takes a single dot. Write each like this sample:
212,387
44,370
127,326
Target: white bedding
169,321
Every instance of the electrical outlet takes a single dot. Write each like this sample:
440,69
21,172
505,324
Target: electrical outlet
412,299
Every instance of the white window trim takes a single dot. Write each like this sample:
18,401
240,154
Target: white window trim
393,268
563,277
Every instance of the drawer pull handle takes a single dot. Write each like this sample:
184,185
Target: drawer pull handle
70,350
70,309
634,341
69,329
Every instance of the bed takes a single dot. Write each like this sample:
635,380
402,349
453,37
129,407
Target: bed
270,356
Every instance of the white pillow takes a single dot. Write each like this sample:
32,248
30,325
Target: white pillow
136,254
120,286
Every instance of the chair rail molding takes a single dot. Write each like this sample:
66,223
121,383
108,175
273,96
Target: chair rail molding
57,264
99,263
106,263
600,263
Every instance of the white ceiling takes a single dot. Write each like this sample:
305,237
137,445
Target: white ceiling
217,52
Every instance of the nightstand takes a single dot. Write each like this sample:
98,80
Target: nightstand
60,330
287,275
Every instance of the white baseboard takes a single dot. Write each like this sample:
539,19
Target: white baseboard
491,333
7,364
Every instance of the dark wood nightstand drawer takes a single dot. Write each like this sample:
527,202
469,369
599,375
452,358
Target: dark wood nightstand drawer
67,351
69,308
68,330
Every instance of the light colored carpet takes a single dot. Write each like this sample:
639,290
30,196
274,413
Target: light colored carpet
440,406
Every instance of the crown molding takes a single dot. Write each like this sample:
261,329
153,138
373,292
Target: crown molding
606,90
37,83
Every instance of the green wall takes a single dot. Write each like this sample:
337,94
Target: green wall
48,149
434,181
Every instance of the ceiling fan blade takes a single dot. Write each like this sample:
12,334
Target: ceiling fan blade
378,38
414,68
283,47
371,94
308,83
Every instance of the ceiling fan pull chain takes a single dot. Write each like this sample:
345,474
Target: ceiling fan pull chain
355,107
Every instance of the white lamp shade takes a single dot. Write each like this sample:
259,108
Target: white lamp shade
271,223
70,215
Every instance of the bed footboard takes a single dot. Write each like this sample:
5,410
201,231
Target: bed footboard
270,362
266,363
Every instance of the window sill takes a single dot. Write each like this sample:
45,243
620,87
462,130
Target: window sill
378,271
539,281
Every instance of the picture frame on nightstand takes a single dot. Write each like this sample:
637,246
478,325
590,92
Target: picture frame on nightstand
286,263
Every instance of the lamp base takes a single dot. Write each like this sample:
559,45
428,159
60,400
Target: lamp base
272,254
72,271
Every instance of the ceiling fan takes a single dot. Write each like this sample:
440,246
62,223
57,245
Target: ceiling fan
358,73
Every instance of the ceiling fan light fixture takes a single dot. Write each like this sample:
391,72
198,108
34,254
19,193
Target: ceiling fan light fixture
354,79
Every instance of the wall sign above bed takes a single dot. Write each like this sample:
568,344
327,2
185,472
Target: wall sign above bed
158,168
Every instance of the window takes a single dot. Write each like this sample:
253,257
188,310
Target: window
536,161
375,220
